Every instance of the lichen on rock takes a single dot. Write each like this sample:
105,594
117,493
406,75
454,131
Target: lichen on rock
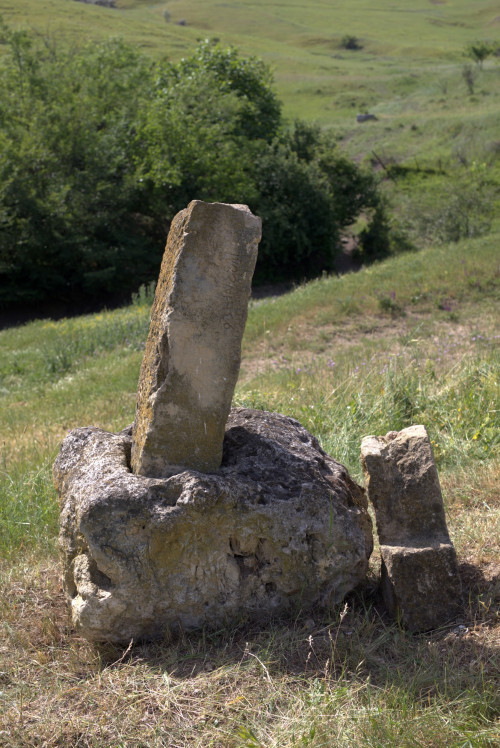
280,526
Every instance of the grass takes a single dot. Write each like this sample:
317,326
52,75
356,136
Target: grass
354,680
413,339
408,71
409,63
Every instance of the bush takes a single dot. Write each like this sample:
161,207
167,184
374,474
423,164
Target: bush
308,195
350,42
468,206
99,149
469,75
461,207
299,231
68,195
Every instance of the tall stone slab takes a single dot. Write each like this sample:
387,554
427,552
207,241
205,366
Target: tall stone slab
192,356
420,581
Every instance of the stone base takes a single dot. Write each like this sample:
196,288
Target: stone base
421,586
280,526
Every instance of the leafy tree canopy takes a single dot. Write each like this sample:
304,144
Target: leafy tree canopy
99,148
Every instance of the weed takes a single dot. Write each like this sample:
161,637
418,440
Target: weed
145,295
389,303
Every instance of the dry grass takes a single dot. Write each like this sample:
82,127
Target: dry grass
390,334
350,677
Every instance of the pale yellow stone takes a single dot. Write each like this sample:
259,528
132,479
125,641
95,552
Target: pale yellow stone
420,579
192,356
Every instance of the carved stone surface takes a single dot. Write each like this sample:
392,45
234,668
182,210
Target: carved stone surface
193,351
420,580
280,526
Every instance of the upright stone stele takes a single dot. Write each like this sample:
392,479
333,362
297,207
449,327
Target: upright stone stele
420,580
192,356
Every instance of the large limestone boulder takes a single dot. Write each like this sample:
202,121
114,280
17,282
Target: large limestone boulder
279,526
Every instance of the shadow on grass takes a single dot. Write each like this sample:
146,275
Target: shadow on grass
354,642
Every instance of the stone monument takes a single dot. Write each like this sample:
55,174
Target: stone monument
193,351
197,515
420,580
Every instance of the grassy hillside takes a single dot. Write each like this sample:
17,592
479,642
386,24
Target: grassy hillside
411,340
408,54
408,70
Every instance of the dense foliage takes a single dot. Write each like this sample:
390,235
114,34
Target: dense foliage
100,147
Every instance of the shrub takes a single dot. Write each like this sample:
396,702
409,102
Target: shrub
468,206
99,149
469,75
350,42
464,207
308,195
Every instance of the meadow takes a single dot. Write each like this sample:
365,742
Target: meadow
413,339
406,67
436,110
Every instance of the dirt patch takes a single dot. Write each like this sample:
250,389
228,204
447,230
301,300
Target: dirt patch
446,340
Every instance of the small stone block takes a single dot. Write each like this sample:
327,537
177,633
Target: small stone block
421,586
420,580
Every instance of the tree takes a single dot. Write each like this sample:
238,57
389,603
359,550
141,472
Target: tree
67,188
99,148
479,51
259,115
308,195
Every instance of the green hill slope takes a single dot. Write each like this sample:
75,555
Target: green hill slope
407,70
411,340
404,50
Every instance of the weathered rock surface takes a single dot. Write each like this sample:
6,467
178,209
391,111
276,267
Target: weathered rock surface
280,526
193,350
420,580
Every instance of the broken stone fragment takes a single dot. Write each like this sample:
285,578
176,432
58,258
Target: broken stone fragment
420,580
280,527
193,351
